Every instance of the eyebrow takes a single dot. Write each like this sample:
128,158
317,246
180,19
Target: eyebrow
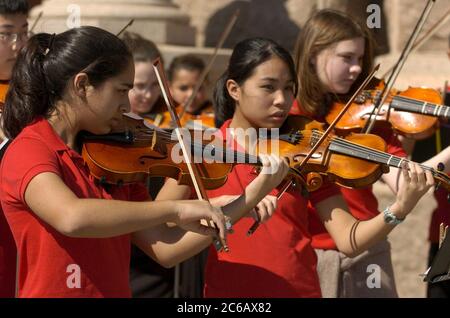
348,53
271,79
10,26
128,85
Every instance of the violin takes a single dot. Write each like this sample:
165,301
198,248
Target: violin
358,160
414,112
203,120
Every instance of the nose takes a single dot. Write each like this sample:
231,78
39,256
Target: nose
356,69
280,97
125,107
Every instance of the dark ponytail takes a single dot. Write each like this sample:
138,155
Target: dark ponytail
247,55
46,65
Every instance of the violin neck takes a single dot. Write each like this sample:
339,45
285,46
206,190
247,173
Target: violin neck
420,107
351,149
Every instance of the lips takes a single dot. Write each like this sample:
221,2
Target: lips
278,115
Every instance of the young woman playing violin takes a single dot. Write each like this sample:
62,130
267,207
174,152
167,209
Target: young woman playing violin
335,55
257,91
13,35
72,235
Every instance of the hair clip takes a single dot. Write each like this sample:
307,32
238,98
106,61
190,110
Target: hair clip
50,44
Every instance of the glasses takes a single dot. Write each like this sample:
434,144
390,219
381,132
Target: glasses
12,38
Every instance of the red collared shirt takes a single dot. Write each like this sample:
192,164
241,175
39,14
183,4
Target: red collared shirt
277,260
51,264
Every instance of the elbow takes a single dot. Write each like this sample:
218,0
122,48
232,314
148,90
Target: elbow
348,251
167,263
71,225
166,260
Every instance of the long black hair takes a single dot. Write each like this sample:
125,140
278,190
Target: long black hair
247,55
46,64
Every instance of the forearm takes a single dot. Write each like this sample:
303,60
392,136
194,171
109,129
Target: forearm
361,235
108,218
173,245
244,203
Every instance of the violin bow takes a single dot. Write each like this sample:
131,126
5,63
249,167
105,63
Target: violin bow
36,21
193,170
289,182
440,22
205,72
125,27
398,67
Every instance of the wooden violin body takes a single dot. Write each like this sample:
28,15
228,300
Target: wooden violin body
142,151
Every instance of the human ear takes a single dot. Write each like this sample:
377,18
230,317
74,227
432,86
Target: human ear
81,84
233,89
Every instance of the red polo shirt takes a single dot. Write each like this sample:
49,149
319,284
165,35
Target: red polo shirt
51,264
362,203
277,260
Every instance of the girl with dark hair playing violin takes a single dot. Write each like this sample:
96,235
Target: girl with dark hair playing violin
73,236
13,35
334,56
257,91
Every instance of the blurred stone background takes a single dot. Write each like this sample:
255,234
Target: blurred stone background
194,26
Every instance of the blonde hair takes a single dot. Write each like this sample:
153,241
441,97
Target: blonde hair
323,30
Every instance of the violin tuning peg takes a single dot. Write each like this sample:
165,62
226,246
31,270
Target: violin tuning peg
440,166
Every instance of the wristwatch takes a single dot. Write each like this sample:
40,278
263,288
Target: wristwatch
390,218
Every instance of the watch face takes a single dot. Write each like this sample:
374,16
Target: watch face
388,218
